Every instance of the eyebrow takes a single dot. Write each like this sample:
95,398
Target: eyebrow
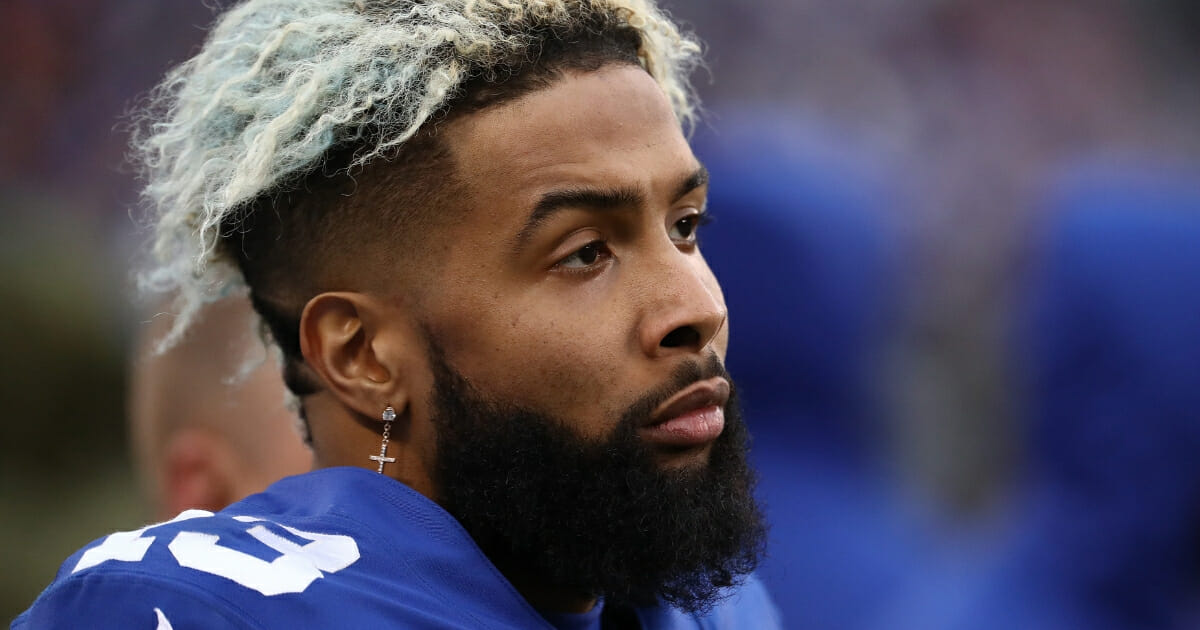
557,201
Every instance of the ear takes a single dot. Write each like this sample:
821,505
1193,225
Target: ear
197,473
359,349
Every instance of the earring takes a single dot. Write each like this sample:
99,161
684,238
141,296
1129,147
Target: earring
389,414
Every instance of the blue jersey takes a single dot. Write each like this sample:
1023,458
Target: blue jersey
335,548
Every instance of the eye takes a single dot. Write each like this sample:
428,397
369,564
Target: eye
586,257
685,229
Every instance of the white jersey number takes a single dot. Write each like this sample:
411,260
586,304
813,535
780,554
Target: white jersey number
292,572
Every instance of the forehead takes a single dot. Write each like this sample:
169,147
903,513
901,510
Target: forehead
613,126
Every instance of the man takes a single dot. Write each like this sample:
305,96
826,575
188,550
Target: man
204,435
471,228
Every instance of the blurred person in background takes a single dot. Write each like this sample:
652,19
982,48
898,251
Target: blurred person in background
204,434
1063,144
1008,99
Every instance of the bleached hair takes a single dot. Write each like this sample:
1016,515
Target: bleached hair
279,83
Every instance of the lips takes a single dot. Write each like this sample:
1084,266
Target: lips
693,417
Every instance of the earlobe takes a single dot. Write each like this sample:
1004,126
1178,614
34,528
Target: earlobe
342,336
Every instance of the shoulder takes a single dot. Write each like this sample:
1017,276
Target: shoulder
126,600
332,548
196,570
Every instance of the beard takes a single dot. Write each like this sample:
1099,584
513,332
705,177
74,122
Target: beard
599,516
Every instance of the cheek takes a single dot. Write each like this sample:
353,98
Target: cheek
567,364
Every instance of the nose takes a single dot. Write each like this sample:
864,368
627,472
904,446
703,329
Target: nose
685,309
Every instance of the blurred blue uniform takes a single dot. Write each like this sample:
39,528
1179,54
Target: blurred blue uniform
1113,382
335,548
806,261
1104,533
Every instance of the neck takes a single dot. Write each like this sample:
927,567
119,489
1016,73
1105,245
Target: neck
549,598
341,437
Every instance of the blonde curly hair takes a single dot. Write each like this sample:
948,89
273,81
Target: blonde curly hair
281,84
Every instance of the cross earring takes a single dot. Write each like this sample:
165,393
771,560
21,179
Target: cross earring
389,414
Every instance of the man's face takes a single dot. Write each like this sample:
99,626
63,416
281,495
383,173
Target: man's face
583,426
573,284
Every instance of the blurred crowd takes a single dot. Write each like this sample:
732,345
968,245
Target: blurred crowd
960,242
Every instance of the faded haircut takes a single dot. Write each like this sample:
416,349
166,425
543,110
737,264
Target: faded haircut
301,123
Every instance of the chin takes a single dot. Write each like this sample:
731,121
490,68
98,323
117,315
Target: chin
689,459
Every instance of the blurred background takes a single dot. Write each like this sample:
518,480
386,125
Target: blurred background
960,240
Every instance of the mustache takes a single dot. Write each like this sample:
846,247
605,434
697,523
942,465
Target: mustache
683,376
